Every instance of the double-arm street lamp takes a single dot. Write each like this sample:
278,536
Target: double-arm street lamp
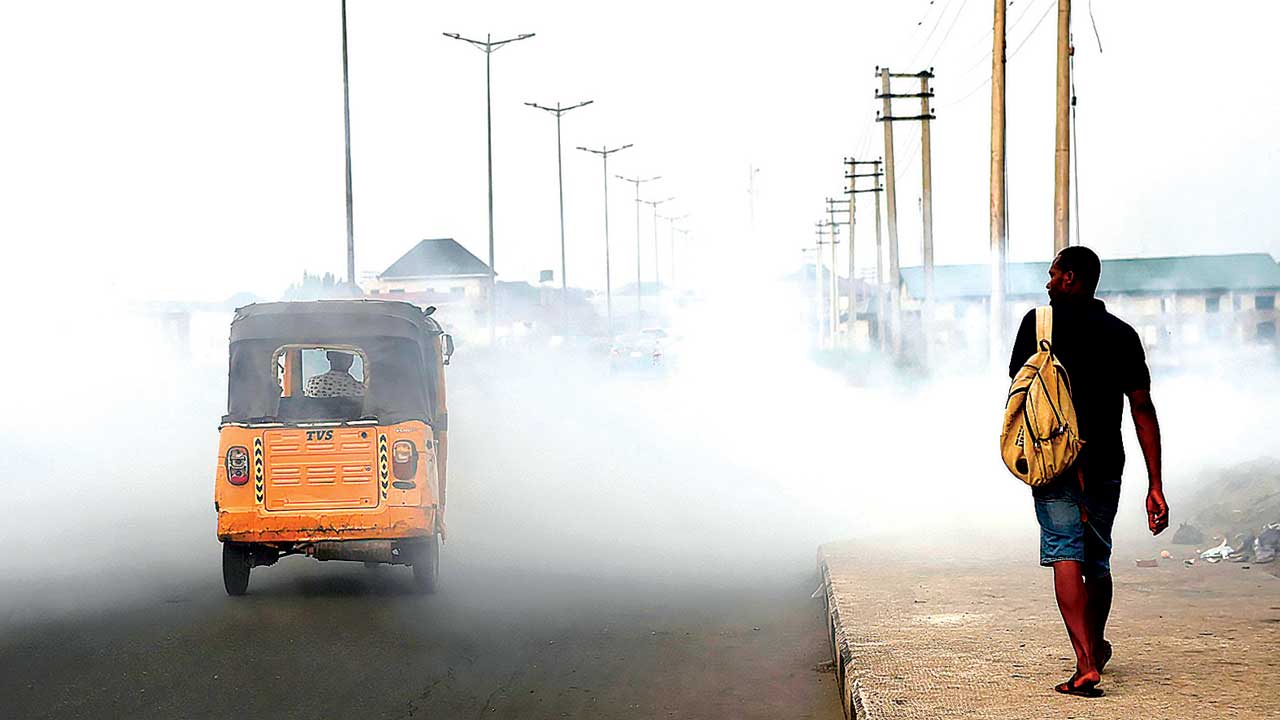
488,46
559,111
637,181
657,275
604,152
671,225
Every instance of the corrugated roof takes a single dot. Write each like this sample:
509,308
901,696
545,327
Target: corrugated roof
1189,273
438,257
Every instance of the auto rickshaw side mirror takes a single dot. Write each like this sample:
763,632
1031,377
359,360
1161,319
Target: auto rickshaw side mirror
447,339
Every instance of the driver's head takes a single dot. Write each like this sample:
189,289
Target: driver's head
339,361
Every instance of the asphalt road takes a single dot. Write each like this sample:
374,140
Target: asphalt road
604,561
337,640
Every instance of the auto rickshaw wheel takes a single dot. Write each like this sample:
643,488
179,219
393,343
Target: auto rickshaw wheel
426,566
236,562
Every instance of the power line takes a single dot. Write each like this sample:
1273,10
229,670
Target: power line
1033,29
1093,21
947,35
986,56
1010,57
967,95
929,37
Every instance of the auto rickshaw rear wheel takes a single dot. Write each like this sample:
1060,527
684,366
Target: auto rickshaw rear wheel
426,566
236,562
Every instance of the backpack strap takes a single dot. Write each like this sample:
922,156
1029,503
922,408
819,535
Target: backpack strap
1044,327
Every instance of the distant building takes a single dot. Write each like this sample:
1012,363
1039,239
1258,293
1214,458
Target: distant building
1176,303
438,272
441,272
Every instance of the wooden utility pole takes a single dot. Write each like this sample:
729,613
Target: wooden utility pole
851,176
819,311
853,265
833,208
999,237
926,174
880,286
888,118
891,196
1062,155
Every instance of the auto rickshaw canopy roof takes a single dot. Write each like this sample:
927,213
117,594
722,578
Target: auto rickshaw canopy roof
331,321
397,339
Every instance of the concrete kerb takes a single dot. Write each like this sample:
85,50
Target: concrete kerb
852,698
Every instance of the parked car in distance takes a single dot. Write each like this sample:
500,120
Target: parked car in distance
650,350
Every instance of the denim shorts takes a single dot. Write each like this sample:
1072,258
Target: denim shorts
1064,535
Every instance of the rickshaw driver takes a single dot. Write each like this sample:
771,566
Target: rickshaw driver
338,382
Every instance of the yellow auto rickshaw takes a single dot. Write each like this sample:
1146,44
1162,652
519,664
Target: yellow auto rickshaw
335,441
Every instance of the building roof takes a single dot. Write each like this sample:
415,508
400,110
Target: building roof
439,257
1189,273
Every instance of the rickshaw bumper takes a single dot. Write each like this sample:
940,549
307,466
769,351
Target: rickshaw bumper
255,525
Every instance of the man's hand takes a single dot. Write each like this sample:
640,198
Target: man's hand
1157,511
1148,427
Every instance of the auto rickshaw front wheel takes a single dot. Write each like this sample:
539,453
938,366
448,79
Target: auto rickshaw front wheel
236,562
426,566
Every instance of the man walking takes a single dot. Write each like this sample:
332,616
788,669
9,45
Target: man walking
1105,363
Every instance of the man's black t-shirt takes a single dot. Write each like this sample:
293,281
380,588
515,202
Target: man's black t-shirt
1105,361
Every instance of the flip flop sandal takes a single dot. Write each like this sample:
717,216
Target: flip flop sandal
1088,691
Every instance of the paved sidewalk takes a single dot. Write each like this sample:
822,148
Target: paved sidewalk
928,636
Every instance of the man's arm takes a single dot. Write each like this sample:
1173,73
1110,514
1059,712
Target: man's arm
1148,427
1024,344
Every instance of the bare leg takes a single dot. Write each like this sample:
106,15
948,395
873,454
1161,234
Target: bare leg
1099,590
1073,602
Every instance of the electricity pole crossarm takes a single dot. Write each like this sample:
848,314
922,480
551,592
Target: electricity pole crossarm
559,111
904,118
604,152
927,94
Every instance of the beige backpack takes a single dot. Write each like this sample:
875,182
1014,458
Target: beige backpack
1040,438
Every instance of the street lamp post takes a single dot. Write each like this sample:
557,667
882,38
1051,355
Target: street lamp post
346,124
657,275
559,111
488,46
671,226
604,152
639,282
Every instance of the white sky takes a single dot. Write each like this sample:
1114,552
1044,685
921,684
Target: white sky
192,149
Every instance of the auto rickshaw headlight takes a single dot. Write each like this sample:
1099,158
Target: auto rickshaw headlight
404,459
237,465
